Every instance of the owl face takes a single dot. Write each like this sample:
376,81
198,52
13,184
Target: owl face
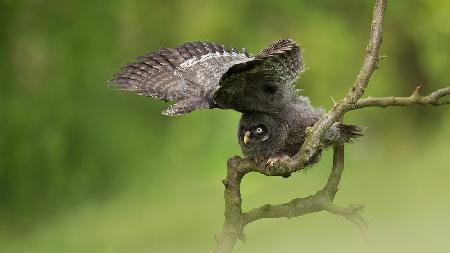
260,134
254,134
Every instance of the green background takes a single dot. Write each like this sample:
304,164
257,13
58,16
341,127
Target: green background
85,168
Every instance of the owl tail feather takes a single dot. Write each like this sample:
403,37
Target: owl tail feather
342,133
348,133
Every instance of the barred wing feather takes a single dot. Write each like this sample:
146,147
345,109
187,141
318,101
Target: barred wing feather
188,75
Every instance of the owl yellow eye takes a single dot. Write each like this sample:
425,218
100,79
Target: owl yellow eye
259,130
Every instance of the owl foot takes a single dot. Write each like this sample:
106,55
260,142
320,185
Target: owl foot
277,158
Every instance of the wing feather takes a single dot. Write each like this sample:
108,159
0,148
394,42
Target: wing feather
263,84
199,75
188,74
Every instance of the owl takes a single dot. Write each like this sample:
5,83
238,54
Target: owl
204,75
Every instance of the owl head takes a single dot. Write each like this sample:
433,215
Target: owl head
261,134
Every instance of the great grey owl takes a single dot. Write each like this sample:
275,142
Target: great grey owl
200,75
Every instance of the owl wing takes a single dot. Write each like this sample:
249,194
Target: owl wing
264,83
189,75
200,75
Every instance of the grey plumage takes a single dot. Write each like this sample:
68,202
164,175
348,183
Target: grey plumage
283,132
200,75
189,74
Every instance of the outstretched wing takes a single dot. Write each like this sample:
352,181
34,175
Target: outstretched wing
263,84
189,74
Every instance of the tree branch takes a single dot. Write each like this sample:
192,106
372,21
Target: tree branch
233,226
301,206
235,219
314,135
435,99
322,200
238,167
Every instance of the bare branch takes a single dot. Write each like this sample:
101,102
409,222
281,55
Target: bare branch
331,187
237,168
435,98
322,200
232,227
294,208
301,206
313,137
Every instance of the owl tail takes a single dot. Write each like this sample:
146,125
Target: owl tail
342,133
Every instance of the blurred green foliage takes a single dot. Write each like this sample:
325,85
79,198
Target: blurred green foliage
84,168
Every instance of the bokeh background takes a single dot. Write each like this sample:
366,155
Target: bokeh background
85,168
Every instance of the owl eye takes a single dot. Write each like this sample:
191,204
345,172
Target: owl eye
259,130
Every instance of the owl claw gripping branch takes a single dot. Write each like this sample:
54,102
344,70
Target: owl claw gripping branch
201,75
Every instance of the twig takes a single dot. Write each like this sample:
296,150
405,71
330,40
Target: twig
352,213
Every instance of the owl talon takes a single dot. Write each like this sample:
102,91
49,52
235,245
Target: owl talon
280,158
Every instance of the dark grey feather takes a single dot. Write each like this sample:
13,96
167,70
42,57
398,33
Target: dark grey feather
263,84
188,75
199,75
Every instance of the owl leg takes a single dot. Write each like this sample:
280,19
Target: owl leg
278,158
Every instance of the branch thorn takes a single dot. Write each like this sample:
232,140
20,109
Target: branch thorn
416,93
243,237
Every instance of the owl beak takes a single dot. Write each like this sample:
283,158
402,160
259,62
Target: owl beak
246,137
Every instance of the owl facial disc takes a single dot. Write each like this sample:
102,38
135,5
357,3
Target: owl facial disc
257,133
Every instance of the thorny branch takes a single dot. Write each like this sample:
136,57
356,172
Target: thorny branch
237,167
